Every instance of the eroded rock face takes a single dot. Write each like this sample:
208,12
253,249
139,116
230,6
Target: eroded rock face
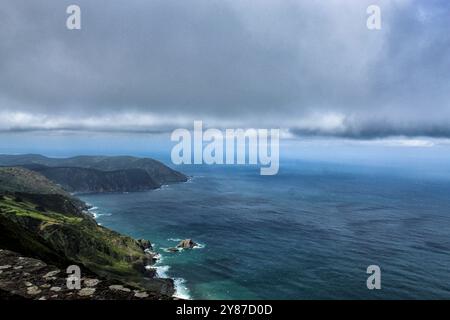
144,244
39,281
187,244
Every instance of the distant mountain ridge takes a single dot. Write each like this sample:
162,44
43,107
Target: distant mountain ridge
98,173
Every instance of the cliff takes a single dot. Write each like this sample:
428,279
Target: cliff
98,173
38,219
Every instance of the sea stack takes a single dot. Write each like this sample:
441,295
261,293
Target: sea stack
187,244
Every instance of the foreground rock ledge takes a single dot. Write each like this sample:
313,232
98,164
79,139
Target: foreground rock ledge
28,278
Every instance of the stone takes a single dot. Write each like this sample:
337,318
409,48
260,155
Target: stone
27,284
56,289
91,282
5,267
18,267
51,274
85,292
141,295
187,244
119,287
172,250
33,290
45,286
42,298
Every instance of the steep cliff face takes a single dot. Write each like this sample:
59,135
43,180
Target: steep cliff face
90,180
38,219
99,173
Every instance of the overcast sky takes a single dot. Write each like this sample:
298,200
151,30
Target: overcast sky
308,67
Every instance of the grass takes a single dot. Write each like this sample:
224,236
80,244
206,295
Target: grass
9,205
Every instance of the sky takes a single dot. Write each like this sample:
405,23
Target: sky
139,69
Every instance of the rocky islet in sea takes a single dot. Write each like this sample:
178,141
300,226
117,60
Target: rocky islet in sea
183,244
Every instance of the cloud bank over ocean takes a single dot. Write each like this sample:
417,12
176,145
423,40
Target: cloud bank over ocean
309,68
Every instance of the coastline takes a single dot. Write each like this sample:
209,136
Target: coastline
181,291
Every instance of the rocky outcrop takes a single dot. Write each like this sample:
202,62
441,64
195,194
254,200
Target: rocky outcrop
187,244
144,244
28,278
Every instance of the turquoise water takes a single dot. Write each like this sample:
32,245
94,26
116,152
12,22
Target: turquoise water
309,232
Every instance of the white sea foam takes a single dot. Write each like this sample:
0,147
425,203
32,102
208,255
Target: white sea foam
155,255
162,187
158,258
96,214
190,180
199,246
104,214
161,271
174,239
181,291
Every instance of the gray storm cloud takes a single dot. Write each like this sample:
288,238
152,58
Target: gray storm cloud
311,67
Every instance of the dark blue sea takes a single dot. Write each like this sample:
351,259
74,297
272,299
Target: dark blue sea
309,232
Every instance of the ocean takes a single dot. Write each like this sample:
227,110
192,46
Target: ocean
309,232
